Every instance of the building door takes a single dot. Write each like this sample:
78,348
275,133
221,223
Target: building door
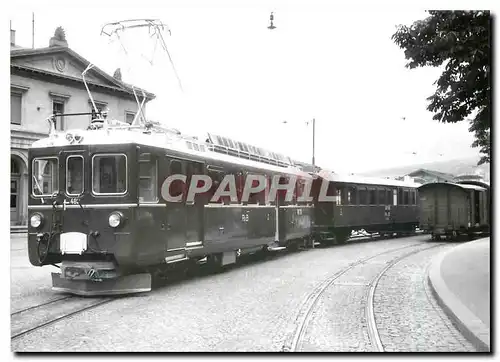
14,200
15,179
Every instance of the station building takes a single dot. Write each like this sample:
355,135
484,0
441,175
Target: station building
44,81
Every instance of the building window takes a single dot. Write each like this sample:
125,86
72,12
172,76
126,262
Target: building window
58,108
15,107
129,117
101,107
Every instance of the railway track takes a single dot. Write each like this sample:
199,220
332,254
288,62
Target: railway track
30,319
305,312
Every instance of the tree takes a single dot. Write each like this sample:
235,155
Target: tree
461,41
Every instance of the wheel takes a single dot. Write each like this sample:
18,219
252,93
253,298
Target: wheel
342,237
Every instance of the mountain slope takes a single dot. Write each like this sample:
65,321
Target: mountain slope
454,167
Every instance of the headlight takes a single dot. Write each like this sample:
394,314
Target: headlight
115,219
36,220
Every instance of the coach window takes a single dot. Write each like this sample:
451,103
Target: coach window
74,175
109,174
406,197
331,189
412,197
372,195
400,196
388,197
148,178
339,193
351,195
381,196
363,196
345,195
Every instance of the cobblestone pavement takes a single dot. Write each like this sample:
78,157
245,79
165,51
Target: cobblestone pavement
252,307
407,315
29,285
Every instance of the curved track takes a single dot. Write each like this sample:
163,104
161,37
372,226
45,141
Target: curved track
310,302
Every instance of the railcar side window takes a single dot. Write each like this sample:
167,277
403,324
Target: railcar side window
45,176
148,178
177,186
109,174
216,176
74,175
194,168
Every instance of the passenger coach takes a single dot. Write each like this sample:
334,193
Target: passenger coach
381,206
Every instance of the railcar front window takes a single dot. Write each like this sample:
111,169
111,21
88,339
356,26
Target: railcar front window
109,174
45,176
74,175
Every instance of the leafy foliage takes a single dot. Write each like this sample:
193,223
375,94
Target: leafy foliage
461,41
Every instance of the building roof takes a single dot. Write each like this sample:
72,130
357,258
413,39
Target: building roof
17,53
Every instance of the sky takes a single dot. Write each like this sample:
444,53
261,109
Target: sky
335,64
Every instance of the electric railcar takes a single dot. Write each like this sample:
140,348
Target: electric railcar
97,208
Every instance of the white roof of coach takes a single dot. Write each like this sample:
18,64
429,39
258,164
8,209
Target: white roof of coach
168,140
332,176
463,186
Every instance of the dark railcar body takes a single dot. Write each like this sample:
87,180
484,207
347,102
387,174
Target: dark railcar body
153,231
360,204
448,209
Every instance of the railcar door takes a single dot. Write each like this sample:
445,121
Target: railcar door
194,209
176,210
